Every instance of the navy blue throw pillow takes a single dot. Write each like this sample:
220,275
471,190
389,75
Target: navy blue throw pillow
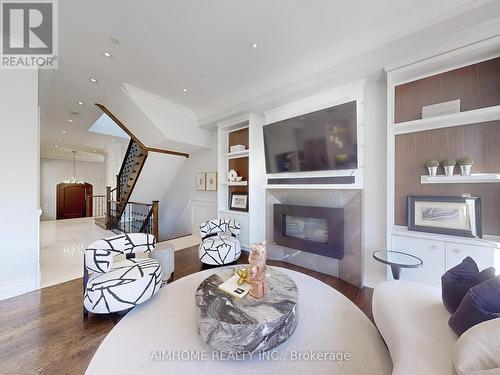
456,282
481,303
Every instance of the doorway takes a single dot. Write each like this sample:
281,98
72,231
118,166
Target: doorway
73,200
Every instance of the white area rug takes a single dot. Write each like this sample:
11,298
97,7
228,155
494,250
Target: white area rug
154,337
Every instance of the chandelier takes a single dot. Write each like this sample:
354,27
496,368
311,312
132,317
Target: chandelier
73,179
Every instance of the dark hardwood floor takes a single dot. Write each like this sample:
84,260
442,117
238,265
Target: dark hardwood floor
43,332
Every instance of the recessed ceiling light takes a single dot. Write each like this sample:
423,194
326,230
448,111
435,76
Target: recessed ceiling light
70,121
184,90
254,45
112,140
95,150
60,140
81,103
178,148
56,146
102,146
93,80
64,131
107,54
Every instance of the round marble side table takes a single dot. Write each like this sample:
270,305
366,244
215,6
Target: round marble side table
247,325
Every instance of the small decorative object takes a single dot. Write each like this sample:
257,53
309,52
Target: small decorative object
440,109
432,166
239,179
243,274
465,166
449,166
257,260
200,182
231,175
211,181
455,216
239,201
237,148
234,288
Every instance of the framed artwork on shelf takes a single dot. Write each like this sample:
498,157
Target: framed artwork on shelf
238,201
451,215
201,182
211,181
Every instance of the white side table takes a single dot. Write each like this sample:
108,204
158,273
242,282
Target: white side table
165,256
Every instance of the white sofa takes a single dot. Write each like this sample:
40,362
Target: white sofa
413,321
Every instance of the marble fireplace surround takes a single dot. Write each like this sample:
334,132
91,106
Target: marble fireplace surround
350,268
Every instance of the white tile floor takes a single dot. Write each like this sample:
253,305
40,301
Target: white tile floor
62,243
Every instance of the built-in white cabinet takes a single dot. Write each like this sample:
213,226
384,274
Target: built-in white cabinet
484,257
439,255
432,254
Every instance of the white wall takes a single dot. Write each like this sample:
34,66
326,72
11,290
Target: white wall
54,171
114,159
19,190
182,203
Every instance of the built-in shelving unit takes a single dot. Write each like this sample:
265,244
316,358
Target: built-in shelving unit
476,178
469,74
249,164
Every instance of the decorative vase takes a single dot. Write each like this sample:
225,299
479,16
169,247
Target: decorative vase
257,260
448,170
432,171
465,169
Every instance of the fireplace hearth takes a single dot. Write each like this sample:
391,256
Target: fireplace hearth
317,230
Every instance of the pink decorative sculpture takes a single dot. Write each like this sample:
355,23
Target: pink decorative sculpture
257,260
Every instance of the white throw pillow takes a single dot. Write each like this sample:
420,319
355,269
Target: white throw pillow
477,351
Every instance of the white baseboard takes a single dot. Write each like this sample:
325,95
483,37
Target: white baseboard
16,287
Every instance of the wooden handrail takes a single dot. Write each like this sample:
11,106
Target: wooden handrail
176,153
134,138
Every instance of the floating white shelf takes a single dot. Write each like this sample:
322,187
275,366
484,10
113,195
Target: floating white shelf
236,155
455,119
241,183
458,179
234,212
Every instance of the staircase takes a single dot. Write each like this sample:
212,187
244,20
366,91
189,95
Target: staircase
122,215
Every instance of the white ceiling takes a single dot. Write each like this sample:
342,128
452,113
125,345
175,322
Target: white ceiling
204,46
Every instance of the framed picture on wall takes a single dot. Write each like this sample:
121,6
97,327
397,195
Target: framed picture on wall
455,216
200,182
211,181
238,201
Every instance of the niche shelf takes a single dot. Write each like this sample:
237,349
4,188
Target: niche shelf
240,183
445,121
236,155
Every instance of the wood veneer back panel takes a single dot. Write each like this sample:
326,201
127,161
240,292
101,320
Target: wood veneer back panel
477,86
481,142
238,137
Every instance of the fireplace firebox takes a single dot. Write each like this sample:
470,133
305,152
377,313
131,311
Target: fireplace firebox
317,230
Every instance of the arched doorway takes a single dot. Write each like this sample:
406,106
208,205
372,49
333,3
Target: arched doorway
73,200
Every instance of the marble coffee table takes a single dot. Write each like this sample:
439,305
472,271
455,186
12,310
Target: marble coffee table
247,325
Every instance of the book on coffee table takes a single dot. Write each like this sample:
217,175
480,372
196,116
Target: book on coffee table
232,288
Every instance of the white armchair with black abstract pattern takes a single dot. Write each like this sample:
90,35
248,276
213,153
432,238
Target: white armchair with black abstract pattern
219,243
111,286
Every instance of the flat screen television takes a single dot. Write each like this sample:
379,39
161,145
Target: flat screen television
317,141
